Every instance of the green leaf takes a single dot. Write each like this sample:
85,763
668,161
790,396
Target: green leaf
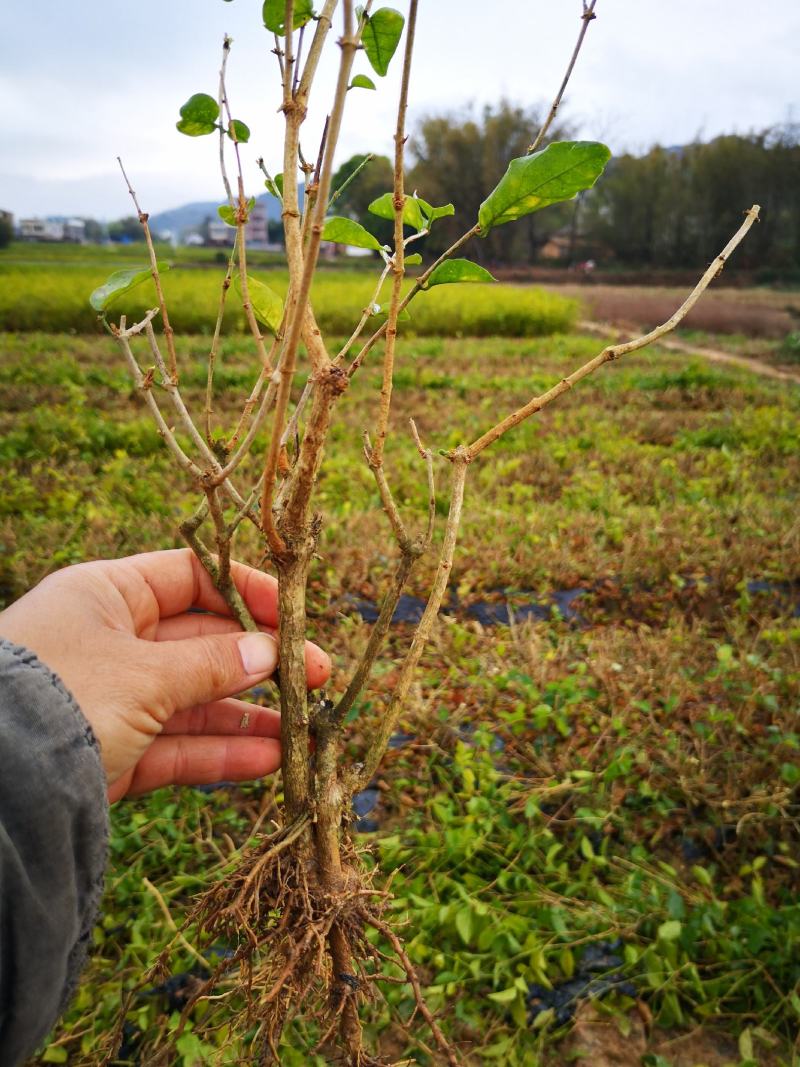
504,996
382,32
228,214
670,930
383,207
199,115
267,305
274,11
55,1054
559,172
344,231
383,309
746,1044
121,281
464,924
413,260
458,270
361,81
275,186
241,130
433,213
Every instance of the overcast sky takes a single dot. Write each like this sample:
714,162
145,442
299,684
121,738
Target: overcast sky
84,82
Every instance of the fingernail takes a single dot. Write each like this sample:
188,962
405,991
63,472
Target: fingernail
259,653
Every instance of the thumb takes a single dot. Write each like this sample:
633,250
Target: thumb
197,670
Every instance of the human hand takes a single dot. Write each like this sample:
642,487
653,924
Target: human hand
155,681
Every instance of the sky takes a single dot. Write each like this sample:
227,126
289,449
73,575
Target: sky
84,83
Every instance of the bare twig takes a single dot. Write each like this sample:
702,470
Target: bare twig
612,352
365,314
252,399
398,260
168,331
410,552
387,500
215,341
586,17
418,286
226,48
427,455
145,386
388,720
176,398
368,158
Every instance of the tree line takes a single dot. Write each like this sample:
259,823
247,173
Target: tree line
671,207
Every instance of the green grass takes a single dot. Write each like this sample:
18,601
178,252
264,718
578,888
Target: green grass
647,788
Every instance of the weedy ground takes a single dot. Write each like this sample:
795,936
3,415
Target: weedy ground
630,775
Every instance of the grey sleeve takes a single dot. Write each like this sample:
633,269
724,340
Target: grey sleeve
53,844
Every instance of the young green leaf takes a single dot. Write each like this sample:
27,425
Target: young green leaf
361,81
464,924
557,173
413,260
228,214
275,186
344,231
504,996
458,270
241,130
121,281
433,213
199,115
383,207
382,32
670,930
274,12
267,305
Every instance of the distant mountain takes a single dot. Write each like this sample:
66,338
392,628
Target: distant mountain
179,220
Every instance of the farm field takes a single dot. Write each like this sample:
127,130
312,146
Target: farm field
607,804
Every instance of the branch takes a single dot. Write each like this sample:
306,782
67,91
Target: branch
586,18
252,400
416,288
398,260
145,386
324,20
222,99
348,43
241,240
212,355
387,500
613,352
168,331
335,196
177,400
410,553
224,580
365,314
388,722
312,187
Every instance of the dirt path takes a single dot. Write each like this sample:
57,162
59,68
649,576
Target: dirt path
714,355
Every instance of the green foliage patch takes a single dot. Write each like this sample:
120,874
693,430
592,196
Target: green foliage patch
632,778
36,298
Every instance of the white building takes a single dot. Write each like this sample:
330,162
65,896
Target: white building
73,230
41,230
